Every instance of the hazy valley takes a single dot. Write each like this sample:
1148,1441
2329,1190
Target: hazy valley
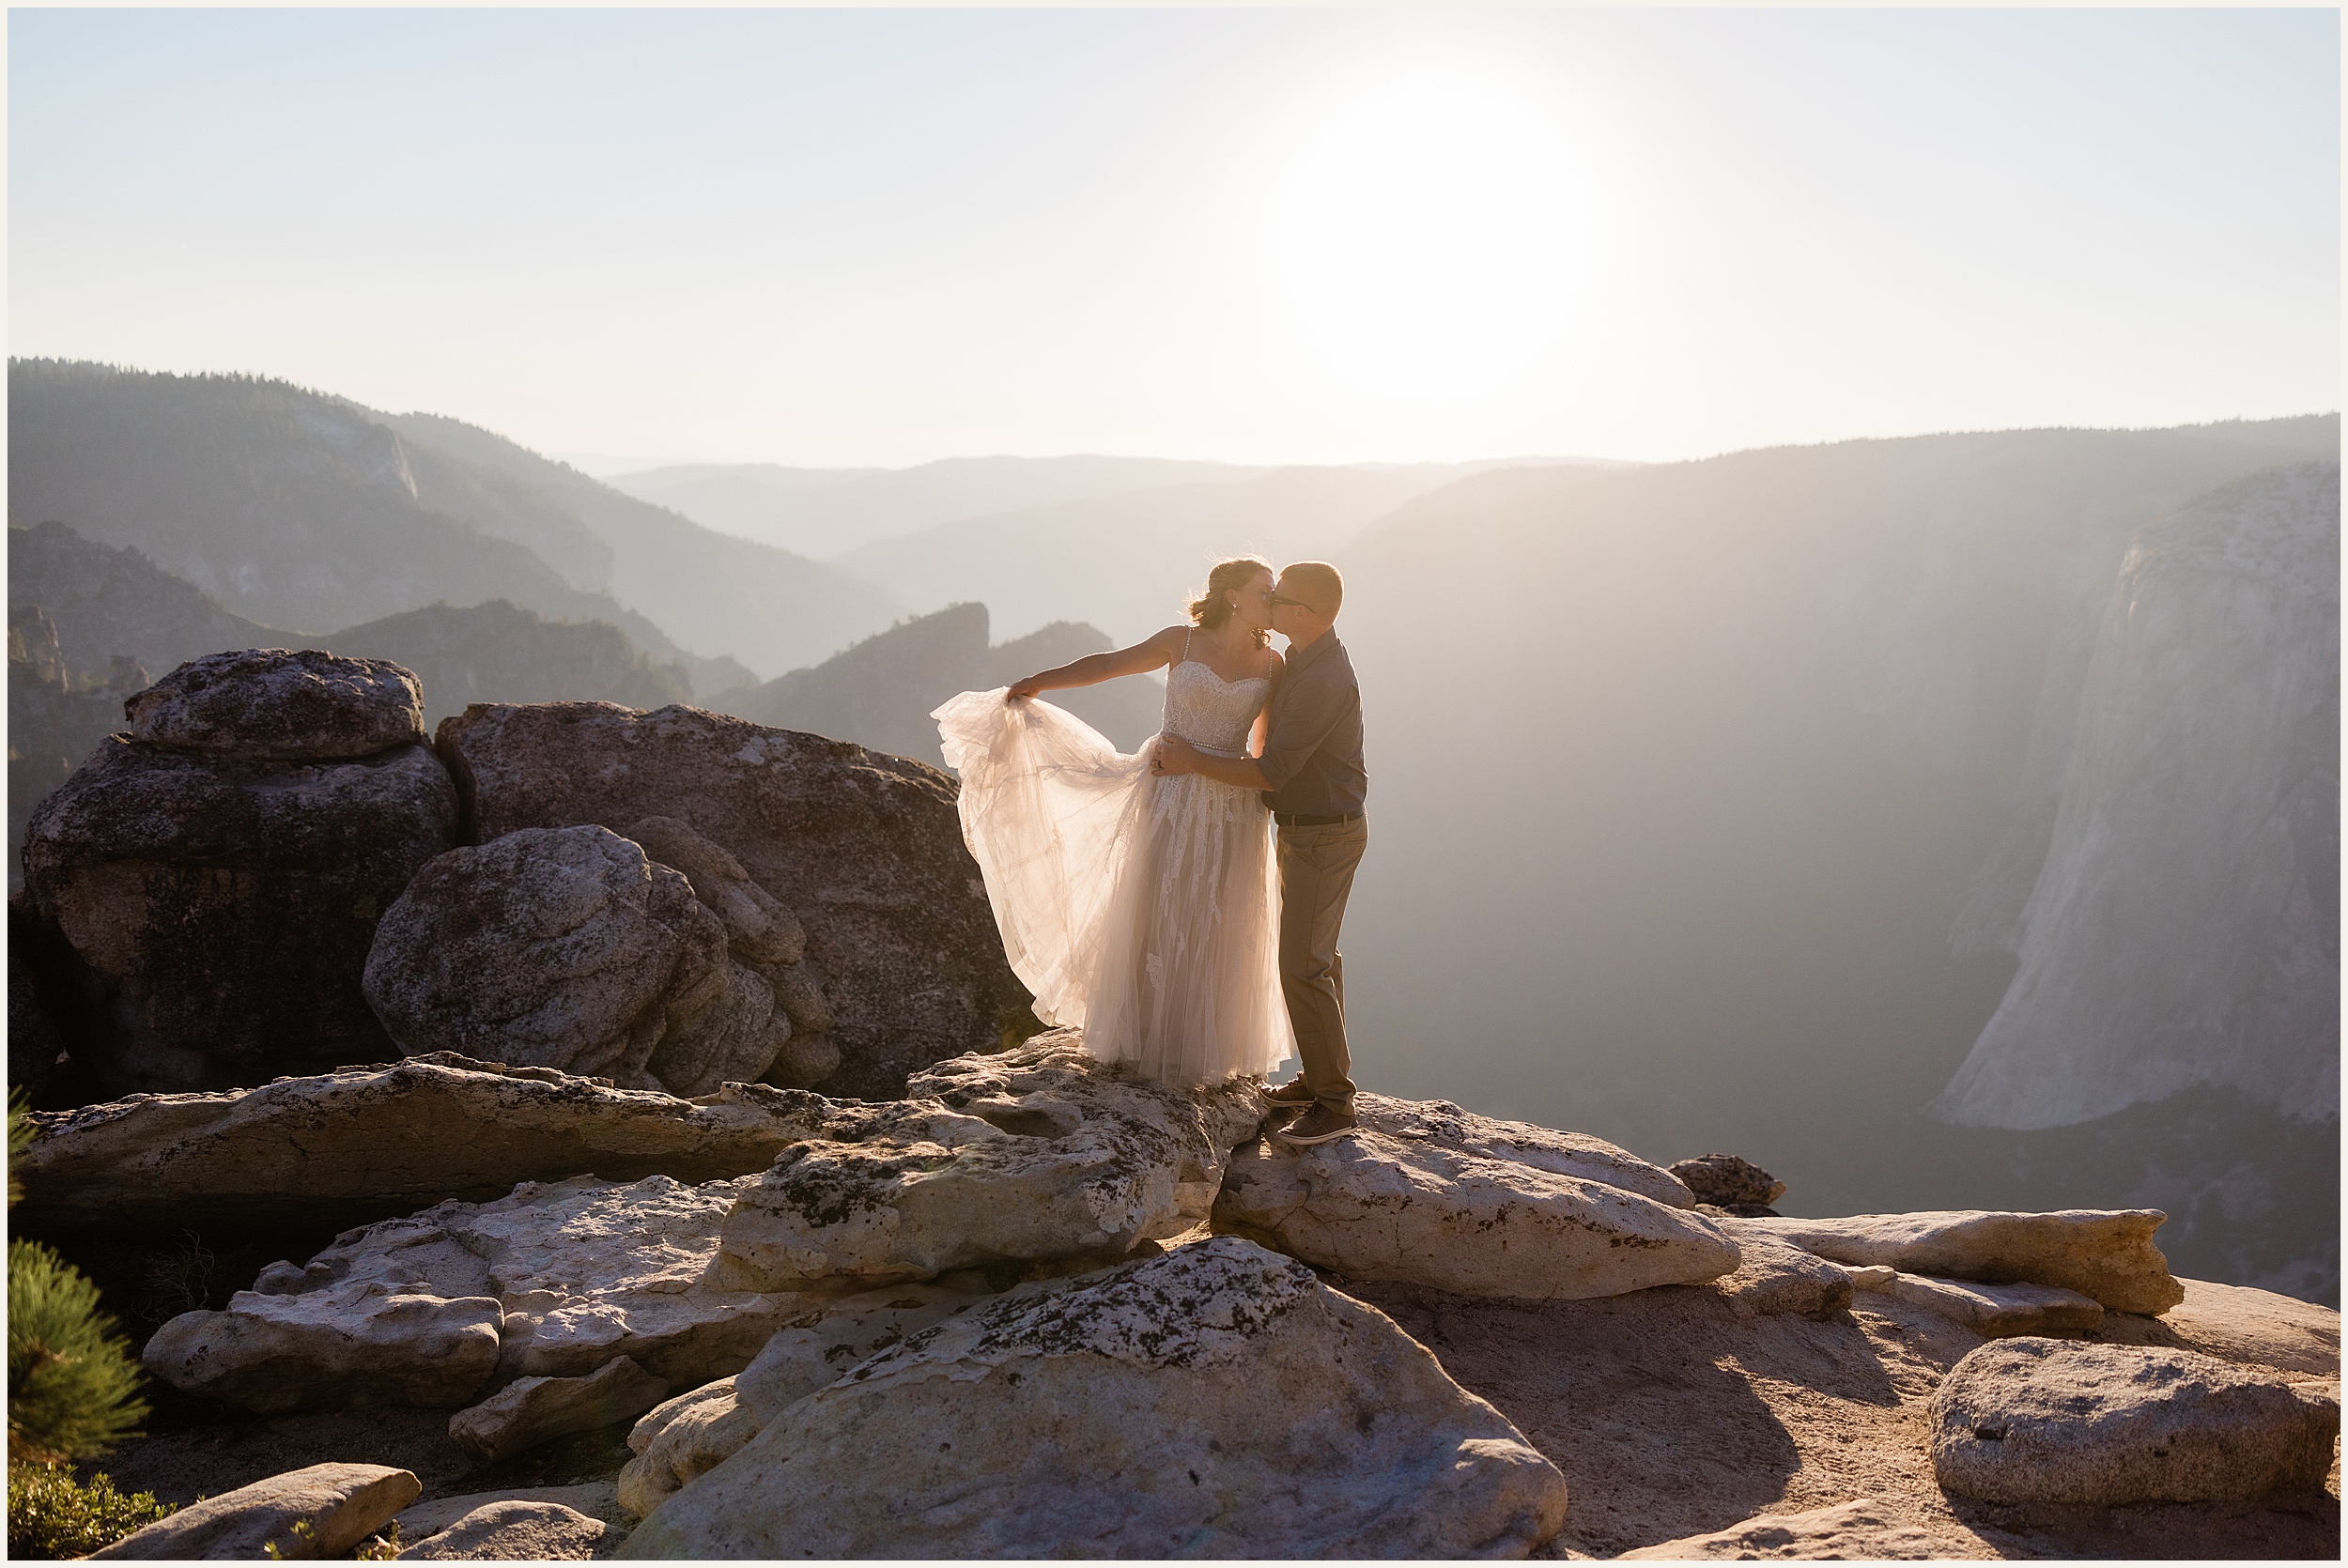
1781,803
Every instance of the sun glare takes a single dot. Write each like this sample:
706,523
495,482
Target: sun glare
1430,237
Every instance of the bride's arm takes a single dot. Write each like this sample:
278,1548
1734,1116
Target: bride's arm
1157,652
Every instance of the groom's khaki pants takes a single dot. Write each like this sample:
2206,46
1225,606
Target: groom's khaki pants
1316,876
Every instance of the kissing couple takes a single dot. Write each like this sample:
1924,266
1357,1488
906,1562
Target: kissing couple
1181,905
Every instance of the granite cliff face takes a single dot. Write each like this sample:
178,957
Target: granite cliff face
1763,761
2184,930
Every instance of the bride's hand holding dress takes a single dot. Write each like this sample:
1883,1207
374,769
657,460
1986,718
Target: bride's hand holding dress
1140,908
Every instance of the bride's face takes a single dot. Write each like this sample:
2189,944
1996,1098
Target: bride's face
1251,607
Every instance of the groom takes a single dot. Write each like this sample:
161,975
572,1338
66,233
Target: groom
1311,776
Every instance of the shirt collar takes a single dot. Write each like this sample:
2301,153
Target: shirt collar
1312,653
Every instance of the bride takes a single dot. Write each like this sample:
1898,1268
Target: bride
1138,908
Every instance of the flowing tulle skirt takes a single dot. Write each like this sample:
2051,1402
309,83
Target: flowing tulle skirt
1139,909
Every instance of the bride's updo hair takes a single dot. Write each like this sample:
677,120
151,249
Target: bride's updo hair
1211,610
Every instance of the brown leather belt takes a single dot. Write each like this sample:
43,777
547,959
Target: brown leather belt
1306,819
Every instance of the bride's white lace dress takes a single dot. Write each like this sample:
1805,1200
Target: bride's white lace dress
1139,909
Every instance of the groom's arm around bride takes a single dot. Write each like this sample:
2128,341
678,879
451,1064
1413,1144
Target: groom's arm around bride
1312,778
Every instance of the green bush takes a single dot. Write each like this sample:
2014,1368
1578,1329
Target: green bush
73,1386
52,1516
20,1138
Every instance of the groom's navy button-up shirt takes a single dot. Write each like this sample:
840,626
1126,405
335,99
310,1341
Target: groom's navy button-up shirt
1312,752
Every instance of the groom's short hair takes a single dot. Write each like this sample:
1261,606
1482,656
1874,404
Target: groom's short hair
1320,583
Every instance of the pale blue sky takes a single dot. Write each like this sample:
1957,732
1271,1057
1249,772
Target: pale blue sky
884,236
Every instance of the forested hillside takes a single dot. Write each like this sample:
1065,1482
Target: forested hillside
879,693
719,594
297,508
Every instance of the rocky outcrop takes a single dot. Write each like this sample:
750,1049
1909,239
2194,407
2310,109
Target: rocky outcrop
865,850
366,1144
694,1433
516,1530
2255,1327
1729,1181
1771,1277
2106,1254
591,1270
355,1342
813,1350
214,906
1862,1530
321,1511
269,704
420,1521
2045,1421
762,935
1998,1311
569,949
553,1281
1373,1208
684,1440
1438,1123
1216,1401
1039,1152
534,1410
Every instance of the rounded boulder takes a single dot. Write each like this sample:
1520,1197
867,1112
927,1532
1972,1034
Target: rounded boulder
268,703
554,948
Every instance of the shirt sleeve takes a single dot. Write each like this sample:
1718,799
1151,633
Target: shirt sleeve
1311,709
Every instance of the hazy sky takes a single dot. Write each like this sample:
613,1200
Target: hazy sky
882,237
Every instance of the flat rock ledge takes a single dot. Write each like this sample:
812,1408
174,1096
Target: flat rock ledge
1999,1311
515,1531
444,1308
1374,1207
371,1143
534,1410
1438,1123
1862,1531
2048,1421
338,1506
1039,1152
1215,1401
2106,1254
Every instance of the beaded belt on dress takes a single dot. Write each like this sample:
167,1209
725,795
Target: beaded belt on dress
1200,745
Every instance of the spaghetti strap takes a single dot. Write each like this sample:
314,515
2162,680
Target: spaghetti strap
1186,658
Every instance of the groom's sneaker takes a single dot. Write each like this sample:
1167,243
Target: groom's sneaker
1318,1126
1291,1096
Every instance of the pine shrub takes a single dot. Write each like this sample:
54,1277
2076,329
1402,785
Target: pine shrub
73,1386
52,1515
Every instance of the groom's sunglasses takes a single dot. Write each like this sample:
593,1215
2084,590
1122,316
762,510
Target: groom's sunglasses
1278,600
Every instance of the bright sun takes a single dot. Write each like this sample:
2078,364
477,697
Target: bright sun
1430,237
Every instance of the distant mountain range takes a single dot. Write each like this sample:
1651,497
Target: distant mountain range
879,693
90,624
292,509
826,513
1118,542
